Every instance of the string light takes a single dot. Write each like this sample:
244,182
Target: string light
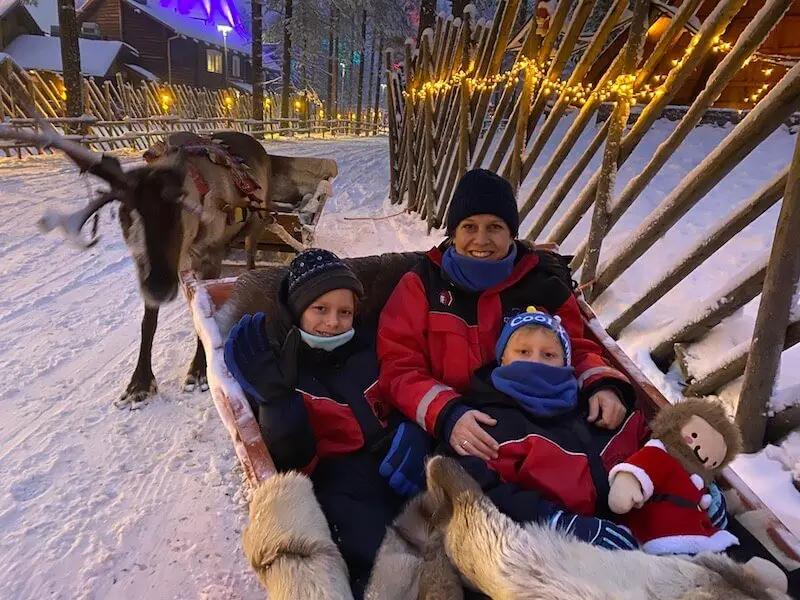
621,88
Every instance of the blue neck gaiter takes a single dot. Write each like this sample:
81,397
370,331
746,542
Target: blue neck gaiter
475,274
542,390
328,344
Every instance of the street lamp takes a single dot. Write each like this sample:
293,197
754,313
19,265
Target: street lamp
224,30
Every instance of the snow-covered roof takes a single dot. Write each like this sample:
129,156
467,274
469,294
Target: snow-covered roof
43,53
142,72
43,12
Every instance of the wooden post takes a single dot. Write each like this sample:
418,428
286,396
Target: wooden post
608,173
747,43
711,242
391,107
777,298
463,97
520,135
771,112
411,172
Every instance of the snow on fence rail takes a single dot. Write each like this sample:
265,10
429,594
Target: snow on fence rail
458,103
119,114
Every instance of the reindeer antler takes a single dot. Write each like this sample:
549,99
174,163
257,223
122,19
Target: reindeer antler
101,165
72,223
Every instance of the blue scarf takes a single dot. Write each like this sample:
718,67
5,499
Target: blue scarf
327,343
542,390
475,274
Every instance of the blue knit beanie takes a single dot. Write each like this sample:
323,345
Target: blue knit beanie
532,316
481,192
314,273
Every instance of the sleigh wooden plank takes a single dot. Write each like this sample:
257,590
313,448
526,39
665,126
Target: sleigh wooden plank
207,298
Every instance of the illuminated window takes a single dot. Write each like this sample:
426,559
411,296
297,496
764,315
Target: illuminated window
236,66
213,61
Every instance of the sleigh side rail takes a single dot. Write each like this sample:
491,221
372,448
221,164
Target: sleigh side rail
204,298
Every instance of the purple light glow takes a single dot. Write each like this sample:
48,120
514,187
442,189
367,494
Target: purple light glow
216,12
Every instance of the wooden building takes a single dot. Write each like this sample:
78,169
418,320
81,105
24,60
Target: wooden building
181,48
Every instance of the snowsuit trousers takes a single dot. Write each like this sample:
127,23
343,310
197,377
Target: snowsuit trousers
358,504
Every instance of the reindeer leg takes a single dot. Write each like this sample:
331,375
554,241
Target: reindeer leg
143,383
197,370
251,241
210,268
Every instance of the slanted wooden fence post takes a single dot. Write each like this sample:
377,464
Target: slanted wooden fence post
608,174
777,298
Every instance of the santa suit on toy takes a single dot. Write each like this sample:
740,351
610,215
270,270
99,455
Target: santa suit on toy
664,504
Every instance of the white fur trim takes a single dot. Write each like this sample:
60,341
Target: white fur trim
705,501
654,443
698,481
691,544
641,475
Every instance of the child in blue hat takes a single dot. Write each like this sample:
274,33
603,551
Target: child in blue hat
552,464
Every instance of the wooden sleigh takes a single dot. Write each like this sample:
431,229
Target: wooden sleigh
210,304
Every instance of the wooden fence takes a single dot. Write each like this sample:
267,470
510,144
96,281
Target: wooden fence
119,114
463,99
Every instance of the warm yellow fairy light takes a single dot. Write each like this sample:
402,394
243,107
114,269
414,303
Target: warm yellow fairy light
297,104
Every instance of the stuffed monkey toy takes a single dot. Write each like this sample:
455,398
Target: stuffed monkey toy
660,489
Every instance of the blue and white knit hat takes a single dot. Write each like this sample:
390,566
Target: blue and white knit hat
532,316
314,273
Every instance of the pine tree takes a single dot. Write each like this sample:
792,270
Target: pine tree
257,34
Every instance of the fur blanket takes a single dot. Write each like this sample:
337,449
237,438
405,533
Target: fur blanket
289,545
510,562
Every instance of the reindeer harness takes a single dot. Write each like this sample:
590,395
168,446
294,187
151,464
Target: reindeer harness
220,155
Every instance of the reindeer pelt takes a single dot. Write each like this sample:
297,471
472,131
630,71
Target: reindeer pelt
411,563
289,545
509,562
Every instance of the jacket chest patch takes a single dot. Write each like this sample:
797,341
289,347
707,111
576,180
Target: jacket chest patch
446,298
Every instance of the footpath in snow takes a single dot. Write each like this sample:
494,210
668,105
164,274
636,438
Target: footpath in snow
102,503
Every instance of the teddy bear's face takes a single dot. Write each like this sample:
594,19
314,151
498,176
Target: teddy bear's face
706,443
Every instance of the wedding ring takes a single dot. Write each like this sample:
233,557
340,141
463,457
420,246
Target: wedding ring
464,444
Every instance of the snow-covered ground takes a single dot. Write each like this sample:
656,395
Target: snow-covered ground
102,503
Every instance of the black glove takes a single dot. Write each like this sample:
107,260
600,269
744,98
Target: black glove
252,362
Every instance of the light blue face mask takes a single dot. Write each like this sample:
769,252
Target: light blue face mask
327,343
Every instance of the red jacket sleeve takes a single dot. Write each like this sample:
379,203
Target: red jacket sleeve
591,369
405,376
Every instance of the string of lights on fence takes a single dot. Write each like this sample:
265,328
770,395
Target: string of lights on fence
578,94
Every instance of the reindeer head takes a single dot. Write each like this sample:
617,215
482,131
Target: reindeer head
151,203
150,216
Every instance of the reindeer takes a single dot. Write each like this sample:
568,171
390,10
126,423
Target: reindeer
169,226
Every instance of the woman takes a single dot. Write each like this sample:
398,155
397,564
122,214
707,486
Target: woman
443,320
317,402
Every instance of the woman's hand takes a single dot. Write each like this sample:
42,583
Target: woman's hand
606,410
469,439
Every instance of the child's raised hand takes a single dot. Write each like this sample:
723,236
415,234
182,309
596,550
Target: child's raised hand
606,410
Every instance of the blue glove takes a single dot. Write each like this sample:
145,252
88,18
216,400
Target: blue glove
248,353
597,532
718,509
404,464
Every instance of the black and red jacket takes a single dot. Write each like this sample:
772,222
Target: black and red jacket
564,459
335,410
433,335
